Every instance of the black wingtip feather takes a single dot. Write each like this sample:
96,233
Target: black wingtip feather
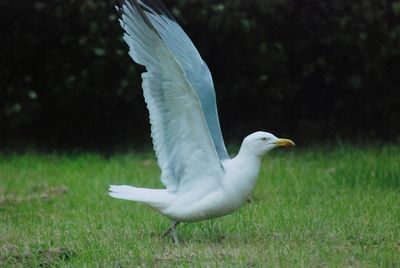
135,5
150,6
158,7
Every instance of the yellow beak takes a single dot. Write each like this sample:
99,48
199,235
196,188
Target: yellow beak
284,143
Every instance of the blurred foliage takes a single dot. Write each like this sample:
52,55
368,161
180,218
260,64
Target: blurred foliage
305,69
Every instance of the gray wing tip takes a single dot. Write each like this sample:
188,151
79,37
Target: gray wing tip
141,7
151,6
156,6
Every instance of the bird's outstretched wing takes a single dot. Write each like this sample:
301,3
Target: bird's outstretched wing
157,17
182,141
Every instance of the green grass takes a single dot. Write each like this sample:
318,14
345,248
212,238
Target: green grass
334,206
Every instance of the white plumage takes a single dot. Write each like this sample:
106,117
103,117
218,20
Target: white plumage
201,181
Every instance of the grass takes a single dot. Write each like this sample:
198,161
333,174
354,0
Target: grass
333,206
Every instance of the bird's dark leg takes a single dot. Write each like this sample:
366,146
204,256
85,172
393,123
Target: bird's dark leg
167,232
184,225
173,231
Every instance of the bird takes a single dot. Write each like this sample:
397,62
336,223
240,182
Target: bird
201,180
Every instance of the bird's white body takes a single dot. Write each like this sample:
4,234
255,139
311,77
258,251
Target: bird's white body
201,202
234,188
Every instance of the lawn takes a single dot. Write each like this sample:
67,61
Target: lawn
334,206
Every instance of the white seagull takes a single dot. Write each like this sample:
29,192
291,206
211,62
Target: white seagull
201,180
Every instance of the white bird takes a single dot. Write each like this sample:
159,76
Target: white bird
201,180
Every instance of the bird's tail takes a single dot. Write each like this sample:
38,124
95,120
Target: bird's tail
155,198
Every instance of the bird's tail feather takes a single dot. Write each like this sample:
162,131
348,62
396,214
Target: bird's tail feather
156,198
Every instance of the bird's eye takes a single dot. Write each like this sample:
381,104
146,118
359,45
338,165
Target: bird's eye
264,139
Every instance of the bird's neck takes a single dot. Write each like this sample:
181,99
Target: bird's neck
249,162
242,174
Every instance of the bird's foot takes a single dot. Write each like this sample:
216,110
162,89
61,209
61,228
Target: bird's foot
172,230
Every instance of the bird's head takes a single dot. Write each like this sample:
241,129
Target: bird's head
261,142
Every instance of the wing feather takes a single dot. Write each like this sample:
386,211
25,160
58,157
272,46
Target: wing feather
196,70
181,138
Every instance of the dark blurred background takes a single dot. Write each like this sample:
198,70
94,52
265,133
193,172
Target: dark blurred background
308,70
